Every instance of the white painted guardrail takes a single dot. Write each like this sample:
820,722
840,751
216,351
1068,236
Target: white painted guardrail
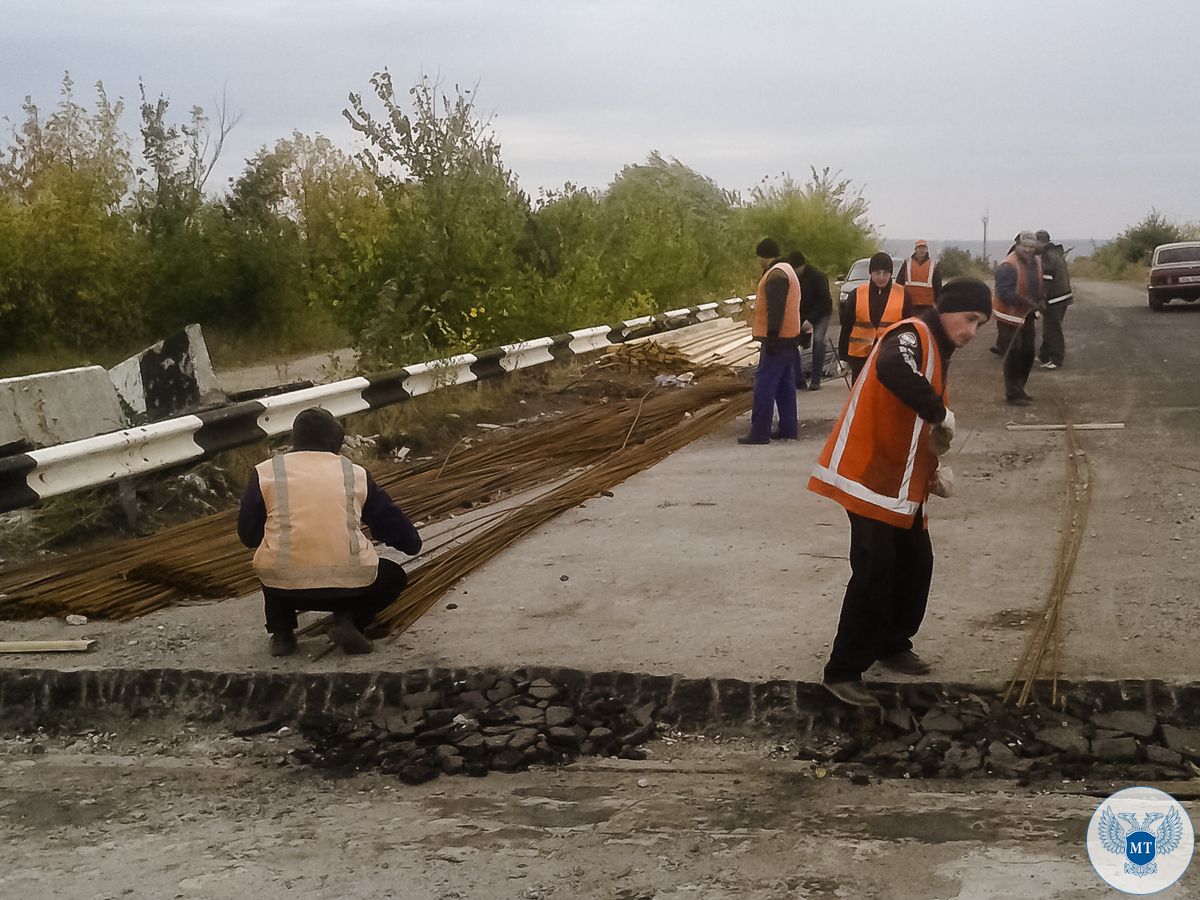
28,478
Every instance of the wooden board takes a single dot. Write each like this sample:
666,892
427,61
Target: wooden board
46,646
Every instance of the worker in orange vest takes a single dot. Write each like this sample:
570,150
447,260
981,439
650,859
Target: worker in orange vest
921,277
1019,295
873,307
303,513
775,324
881,464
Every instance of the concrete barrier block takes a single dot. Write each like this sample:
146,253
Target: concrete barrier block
53,407
173,376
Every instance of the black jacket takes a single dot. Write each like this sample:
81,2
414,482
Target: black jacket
1056,281
815,300
899,367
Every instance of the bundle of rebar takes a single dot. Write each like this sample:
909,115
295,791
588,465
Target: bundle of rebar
1043,649
203,558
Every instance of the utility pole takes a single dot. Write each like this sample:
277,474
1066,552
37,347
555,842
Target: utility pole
984,219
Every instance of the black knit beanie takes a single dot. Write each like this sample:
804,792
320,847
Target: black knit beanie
879,262
965,295
317,429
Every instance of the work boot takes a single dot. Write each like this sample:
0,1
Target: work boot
343,632
814,385
1018,400
852,692
751,439
778,435
283,643
906,663
999,351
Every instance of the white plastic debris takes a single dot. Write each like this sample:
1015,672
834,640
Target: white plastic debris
74,619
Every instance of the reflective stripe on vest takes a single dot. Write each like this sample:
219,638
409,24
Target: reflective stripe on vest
863,335
879,467
1014,314
920,282
313,534
790,328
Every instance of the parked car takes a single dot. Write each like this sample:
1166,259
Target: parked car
1174,274
860,274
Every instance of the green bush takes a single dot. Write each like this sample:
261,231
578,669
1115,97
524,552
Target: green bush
421,245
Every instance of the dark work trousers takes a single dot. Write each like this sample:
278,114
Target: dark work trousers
890,572
1054,346
364,604
1019,361
774,386
813,378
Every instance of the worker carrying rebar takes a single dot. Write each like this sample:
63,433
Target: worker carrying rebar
302,514
881,462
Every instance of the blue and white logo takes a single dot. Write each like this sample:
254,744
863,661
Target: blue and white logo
1140,840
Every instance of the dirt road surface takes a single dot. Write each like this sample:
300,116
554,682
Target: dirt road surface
106,817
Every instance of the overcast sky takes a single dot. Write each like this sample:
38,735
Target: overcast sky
1074,116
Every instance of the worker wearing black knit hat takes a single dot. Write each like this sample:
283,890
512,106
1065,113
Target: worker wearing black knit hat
872,308
303,513
874,468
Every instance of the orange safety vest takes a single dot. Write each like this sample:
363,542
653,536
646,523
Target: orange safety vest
1015,313
877,461
863,335
313,536
791,314
919,287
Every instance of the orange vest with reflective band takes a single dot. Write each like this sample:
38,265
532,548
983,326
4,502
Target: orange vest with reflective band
863,335
313,536
877,462
920,283
1014,314
791,314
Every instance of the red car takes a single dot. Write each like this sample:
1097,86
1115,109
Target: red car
1174,274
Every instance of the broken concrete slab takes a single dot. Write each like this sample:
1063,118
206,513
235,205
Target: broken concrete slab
1139,724
172,377
54,407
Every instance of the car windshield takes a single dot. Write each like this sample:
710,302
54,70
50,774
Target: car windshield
859,271
1178,255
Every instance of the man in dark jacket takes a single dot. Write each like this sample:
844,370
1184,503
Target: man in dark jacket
880,297
303,513
1056,281
775,324
880,463
1017,300
816,309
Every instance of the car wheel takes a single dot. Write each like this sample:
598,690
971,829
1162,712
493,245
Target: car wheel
1155,303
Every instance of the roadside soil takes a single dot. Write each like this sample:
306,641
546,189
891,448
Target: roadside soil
194,813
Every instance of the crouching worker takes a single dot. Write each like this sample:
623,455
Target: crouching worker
881,464
302,514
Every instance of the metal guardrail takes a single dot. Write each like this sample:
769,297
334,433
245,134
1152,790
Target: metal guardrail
28,478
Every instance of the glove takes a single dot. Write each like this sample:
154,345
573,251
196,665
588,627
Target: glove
806,334
942,434
941,483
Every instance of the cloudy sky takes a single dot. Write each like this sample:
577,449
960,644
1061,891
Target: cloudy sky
1074,116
